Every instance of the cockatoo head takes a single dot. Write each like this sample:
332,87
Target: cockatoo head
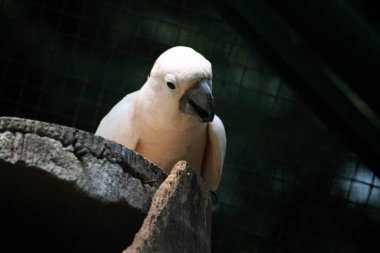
183,77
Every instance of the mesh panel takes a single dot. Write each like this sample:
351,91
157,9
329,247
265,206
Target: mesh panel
288,185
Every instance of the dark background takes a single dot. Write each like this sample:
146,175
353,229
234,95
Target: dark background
294,179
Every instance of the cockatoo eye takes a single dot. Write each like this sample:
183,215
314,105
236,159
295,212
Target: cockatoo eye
170,85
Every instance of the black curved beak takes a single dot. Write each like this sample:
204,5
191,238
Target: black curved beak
198,101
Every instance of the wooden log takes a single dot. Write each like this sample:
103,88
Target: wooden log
179,219
66,190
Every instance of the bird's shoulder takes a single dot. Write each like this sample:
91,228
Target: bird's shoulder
122,113
126,106
216,129
215,153
119,124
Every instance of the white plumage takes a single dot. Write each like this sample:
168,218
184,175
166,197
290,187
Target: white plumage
171,117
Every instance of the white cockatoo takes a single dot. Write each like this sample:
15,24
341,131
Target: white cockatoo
172,116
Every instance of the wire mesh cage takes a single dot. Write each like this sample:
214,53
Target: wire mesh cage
289,184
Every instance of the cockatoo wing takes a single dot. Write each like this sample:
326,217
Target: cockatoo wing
119,124
214,154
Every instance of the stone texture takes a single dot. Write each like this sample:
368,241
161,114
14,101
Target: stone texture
179,219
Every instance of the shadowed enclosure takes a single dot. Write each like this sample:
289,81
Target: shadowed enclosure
289,184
